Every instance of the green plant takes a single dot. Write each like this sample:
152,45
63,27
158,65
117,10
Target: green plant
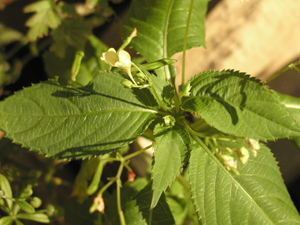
214,168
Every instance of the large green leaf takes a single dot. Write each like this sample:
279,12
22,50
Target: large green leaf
161,26
137,211
171,151
257,196
237,104
67,122
161,29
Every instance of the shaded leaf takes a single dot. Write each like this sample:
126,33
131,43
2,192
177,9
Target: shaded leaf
44,18
239,105
170,154
90,65
257,196
161,30
77,122
72,31
81,210
137,211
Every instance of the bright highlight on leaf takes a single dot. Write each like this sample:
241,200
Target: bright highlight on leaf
45,18
237,104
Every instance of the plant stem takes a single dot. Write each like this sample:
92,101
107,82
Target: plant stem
137,153
291,66
119,185
192,131
185,41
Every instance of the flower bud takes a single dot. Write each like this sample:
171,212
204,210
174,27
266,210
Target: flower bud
243,154
229,161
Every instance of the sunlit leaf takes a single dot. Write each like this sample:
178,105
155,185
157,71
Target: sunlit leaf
257,196
239,105
171,151
77,122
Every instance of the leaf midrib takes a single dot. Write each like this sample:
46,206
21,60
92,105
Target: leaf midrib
85,113
234,181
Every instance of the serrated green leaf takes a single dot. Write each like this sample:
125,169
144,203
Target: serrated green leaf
170,154
137,211
239,105
70,122
160,31
257,196
38,217
44,18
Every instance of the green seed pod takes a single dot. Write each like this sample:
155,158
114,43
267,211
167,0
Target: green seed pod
76,64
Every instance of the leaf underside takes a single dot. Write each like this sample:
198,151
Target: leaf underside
77,123
257,196
239,105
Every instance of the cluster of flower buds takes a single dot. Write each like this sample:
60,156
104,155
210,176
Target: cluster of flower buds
242,154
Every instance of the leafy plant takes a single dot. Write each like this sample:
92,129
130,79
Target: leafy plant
211,169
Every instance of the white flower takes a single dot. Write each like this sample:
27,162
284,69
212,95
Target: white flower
120,59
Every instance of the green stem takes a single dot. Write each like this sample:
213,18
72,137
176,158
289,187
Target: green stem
192,131
137,153
160,103
199,125
184,183
185,41
118,191
291,66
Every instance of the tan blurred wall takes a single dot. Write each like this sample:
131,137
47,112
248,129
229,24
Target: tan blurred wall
256,36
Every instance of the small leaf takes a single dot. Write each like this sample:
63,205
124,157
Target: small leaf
70,122
6,220
71,32
38,217
5,191
239,105
137,211
170,154
25,206
44,18
257,196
